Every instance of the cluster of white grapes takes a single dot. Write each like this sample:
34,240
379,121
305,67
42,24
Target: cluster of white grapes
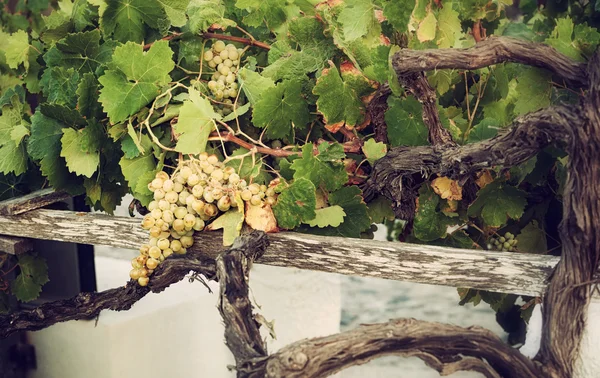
184,202
225,59
506,243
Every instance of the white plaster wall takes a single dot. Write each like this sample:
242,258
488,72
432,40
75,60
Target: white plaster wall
589,362
179,333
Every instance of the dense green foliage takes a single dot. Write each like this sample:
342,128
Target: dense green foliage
97,96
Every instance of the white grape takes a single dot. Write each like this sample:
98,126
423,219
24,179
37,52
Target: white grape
219,46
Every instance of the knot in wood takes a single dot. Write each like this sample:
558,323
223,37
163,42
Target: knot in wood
295,360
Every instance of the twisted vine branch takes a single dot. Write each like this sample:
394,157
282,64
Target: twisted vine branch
85,306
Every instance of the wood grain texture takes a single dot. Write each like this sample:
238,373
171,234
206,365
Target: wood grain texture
89,305
570,291
492,51
501,272
31,201
15,245
443,347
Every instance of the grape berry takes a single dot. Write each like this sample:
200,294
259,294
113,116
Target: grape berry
184,202
506,243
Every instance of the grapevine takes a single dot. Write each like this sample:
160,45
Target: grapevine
198,191
284,112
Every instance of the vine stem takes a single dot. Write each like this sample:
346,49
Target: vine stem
230,137
170,37
245,41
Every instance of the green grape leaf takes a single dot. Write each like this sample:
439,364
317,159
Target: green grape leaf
141,191
136,171
16,49
561,40
280,109
357,18
397,13
60,85
93,190
404,121
486,129
87,96
374,150
377,67
340,95
231,222
357,219
254,84
134,145
380,209
442,80
81,52
270,12
296,64
534,87
295,204
81,12
135,78
175,10
430,223
328,216
292,64
13,158
330,151
19,132
56,26
248,167
44,145
34,274
329,175
448,26
586,38
501,110
532,239
204,13
126,20
80,160
195,123
497,202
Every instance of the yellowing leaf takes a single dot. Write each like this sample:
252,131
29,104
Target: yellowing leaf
447,188
484,178
231,222
427,28
261,218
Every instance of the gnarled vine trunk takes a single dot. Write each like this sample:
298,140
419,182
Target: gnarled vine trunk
397,175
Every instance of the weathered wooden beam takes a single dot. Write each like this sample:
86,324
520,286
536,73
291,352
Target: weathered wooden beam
496,271
15,245
31,201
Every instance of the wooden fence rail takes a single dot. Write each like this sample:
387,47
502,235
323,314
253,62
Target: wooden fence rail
516,273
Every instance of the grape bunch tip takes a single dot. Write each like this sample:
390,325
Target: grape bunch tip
225,60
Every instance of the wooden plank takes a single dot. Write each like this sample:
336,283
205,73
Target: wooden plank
31,201
496,271
14,245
